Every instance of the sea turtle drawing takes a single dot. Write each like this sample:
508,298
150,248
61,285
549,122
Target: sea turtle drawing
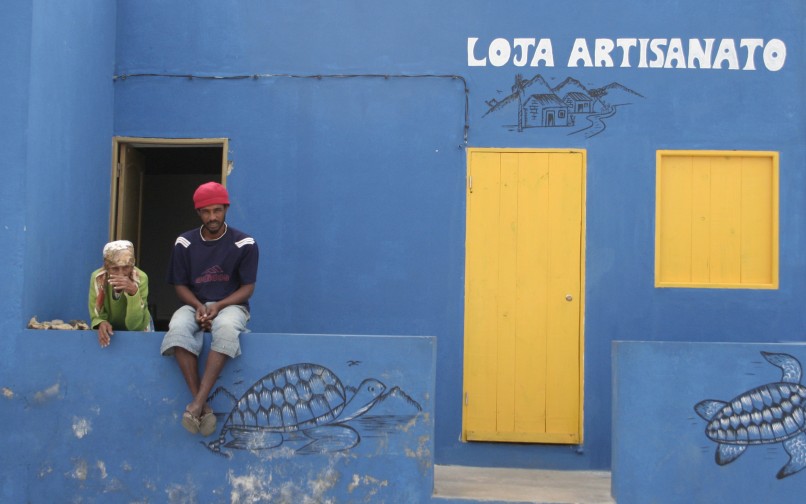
305,403
769,414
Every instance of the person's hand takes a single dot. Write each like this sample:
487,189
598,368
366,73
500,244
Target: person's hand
104,333
123,283
212,312
203,317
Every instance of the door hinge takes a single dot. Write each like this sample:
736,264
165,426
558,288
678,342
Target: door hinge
470,183
465,398
118,170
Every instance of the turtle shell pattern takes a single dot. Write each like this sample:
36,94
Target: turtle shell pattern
768,414
296,397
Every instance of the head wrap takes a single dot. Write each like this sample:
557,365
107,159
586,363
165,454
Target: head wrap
211,193
119,253
116,253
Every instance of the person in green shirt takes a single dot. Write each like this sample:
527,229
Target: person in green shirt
118,294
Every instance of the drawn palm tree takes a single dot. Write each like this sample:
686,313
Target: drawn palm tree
519,88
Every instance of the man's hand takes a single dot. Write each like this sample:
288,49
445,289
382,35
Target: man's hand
212,312
123,283
104,333
203,317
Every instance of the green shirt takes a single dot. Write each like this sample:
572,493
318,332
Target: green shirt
126,313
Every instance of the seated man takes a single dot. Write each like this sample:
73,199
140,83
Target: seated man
213,270
118,293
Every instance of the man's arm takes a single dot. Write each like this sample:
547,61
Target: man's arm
187,297
240,296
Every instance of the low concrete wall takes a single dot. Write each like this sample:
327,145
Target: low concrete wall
85,424
660,449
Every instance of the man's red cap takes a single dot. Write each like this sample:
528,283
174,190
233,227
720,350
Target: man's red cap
210,193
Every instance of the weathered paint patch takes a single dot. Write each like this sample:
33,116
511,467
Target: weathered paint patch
81,427
47,394
101,468
324,481
423,454
354,483
250,488
114,485
79,471
258,485
373,484
408,425
8,393
45,470
181,494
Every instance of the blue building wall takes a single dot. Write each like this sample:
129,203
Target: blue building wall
660,449
15,40
68,127
86,424
353,183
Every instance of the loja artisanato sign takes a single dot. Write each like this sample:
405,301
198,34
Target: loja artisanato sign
675,53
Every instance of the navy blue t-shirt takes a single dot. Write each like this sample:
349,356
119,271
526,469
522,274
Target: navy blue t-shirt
214,269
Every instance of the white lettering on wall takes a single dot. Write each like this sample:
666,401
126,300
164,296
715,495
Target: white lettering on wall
727,53
544,53
500,52
667,53
522,46
471,57
774,55
580,52
699,54
625,44
751,45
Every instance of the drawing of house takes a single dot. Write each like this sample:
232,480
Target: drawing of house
545,110
577,102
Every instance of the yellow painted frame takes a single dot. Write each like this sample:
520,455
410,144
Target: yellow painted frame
663,155
548,438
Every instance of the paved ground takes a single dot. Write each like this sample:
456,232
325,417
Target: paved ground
484,484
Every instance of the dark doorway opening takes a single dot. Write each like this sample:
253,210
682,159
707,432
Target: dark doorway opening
153,203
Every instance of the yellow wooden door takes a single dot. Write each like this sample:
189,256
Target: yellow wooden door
524,296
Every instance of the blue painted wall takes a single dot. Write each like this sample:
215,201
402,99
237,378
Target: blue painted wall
15,41
660,449
354,186
103,425
66,169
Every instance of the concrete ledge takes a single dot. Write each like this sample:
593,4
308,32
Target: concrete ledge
459,484
103,425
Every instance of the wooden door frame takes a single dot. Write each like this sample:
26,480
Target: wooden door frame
149,142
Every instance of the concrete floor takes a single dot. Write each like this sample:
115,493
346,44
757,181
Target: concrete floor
456,483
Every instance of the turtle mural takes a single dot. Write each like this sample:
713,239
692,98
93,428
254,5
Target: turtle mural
304,405
769,414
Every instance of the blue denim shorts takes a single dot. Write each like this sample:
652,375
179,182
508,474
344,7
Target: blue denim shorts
185,332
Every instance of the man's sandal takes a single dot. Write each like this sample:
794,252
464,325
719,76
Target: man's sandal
191,423
207,422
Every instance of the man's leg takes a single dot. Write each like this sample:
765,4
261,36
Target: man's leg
201,391
226,330
189,366
184,340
